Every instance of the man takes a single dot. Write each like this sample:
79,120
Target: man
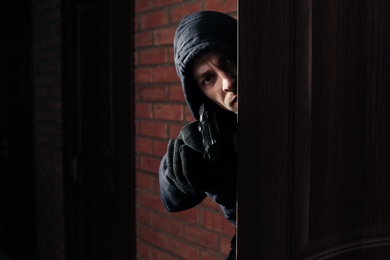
205,50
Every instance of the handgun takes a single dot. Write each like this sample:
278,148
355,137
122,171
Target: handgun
208,126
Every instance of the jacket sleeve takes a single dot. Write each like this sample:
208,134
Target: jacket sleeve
173,199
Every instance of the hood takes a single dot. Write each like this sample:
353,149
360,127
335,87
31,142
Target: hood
198,33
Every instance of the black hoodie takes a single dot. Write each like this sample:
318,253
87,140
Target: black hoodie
196,34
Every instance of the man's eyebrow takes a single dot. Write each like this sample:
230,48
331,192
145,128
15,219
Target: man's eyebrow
202,75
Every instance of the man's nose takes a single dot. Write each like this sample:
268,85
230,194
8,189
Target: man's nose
228,81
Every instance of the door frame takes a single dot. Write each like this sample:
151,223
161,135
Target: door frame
121,55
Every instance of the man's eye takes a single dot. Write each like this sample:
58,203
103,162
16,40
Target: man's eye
226,63
207,80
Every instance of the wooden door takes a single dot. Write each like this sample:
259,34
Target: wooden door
314,147
98,132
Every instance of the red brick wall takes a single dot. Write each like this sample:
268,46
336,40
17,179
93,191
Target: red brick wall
46,54
160,112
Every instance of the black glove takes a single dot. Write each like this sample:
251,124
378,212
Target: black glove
191,173
186,166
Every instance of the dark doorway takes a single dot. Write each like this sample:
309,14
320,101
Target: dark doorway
17,210
98,132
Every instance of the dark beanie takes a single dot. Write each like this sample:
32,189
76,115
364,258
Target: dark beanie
198,33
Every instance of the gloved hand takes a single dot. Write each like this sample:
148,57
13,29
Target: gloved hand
191,173
186,166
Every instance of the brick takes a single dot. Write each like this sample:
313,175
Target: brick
165,74
144,181
153,56
188,117
43,139
153,129
150,200
159,147
136,161
216,222
200,236
152,236
143,216
44,6
211,256
143,145
54,142
152,93
174,130
160,3
53,80
164,36
144,249
143,110
136,59
137,127
168,112
47,91
142,39
156,185
209,203
47,42
224,244
48,116
46,55
176,93
167,224
47,166
47,17
149,164
171,57
136,26
190,215
47,29
182,249
176,14
141,5
160,255
47,67
46,153
143,75
51,104
223,6
153,20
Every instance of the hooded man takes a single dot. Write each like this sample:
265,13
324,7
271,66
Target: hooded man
205,51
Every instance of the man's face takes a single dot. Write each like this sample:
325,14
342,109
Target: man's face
216,76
